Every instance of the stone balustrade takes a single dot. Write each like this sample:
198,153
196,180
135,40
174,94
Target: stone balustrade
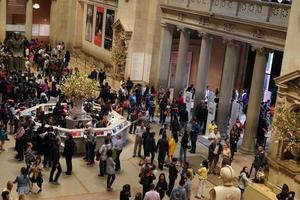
248,10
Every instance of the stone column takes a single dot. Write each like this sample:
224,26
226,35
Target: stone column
28,22
2,20
228,76
53,17
204,62
255,98
164,54
181,60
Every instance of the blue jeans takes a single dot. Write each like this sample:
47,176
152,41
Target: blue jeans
102,167
182,155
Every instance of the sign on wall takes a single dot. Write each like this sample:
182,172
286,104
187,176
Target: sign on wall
108,38
99,26
89,23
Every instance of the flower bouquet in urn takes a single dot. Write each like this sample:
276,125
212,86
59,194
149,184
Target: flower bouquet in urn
287,125
78,87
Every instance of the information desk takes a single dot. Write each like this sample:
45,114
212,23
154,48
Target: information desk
118,126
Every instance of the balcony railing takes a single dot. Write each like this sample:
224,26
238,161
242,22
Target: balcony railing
251,10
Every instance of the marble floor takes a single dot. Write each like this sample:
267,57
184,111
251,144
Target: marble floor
84,184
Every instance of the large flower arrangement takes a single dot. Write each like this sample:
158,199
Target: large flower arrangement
119,53
287,125
78,87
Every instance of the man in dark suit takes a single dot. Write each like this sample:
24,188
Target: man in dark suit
69,152
214,151
55,155
94,74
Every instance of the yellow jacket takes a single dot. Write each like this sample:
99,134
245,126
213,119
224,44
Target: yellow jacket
172,146
202,172
211,128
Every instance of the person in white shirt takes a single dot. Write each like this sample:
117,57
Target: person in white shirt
214,135
118,148
152,194
103,156
139,139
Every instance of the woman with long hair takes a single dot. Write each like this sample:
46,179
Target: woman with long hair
243,179
23,182
162,185
36,171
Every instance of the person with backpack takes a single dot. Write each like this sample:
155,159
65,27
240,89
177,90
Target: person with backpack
179,192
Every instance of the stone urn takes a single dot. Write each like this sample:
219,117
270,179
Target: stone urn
77,112
296,152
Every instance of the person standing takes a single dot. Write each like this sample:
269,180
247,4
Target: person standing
162,185
49,142
125,193
243,179
172,146
23,182
3,137
69,152
234,137
214,151
118,148
162,147
9,189
194,135
179,192
55,155
226,153
110,170
259,162
91,139
183,119
202,173
173,173
152,194
103,156
139,139
36,171
183,147
150,146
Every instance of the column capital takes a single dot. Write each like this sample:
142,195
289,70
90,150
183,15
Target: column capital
205,35
183,29
260,49
231,42
165,25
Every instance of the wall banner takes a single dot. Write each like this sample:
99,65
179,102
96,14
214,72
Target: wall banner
110,19
99,26
89,23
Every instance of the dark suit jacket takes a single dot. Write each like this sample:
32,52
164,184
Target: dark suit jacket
211,149
69,147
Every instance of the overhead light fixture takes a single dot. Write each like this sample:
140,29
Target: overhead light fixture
36,6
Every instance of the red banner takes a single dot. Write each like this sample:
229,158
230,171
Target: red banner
99,26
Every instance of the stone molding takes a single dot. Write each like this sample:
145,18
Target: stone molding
260,49
205,35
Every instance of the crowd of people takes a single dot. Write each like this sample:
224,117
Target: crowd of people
39,146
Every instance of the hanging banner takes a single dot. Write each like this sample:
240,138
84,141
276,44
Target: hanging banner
89,23
99,26
110,19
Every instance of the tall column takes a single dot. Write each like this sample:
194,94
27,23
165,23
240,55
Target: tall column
53,17
181,60
164,54
2,19
204,62
255,98
228,75
28,22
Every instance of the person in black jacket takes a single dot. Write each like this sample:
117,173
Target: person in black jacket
150,146
183,118
162,147
55,155
49,141
69,152
173,173
183,147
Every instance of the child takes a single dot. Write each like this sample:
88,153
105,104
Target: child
185,170
202,173
3,137
36,171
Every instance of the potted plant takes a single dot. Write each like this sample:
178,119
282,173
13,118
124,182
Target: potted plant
78,87
287,125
